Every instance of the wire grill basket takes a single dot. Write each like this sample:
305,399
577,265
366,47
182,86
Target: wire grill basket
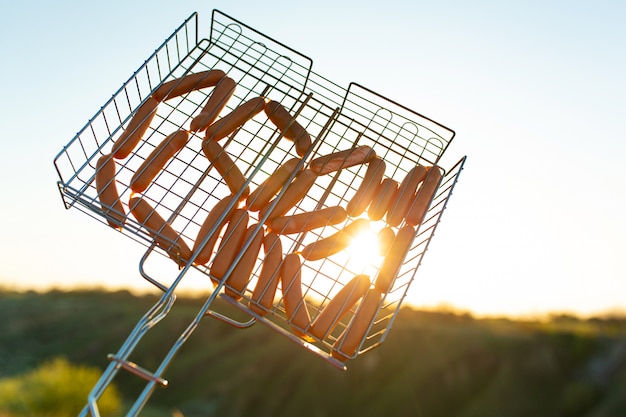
189,186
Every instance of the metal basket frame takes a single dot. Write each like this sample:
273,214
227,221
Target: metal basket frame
336,117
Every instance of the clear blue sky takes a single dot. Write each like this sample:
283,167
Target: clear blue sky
535,91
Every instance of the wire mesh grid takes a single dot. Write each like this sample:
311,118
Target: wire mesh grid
189,186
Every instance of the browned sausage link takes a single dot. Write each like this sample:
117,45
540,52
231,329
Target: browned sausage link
339,305
238,279
368,187
303,222
230,244
108,193
295,192
394,258
347,344
188,83
386,235
135,130
342,159
336,242
384,198
219,211
218,99
405,195
294,132
262,195
265,290
157,159
226,125
295,306
164,234
424,196
226,167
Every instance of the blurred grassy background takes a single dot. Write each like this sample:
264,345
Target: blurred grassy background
433,363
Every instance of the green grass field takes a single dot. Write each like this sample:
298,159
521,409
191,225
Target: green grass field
432,363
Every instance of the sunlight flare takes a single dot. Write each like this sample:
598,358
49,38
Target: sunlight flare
364,251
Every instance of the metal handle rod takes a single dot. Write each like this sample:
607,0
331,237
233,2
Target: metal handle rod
137,370
151,318
143,397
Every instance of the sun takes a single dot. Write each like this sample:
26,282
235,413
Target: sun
364,252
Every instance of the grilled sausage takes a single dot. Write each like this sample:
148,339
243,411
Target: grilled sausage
350,340
157,159
295,191
386,235
226,125
342,159
367,189
384,198
108,193
238,279
405,195
290,128
164,234
424,196
135,130
394,258
230,244
295,306
218,99
336,242
339,305
262,195
265,290
303,222
226,167
211,220
188,83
